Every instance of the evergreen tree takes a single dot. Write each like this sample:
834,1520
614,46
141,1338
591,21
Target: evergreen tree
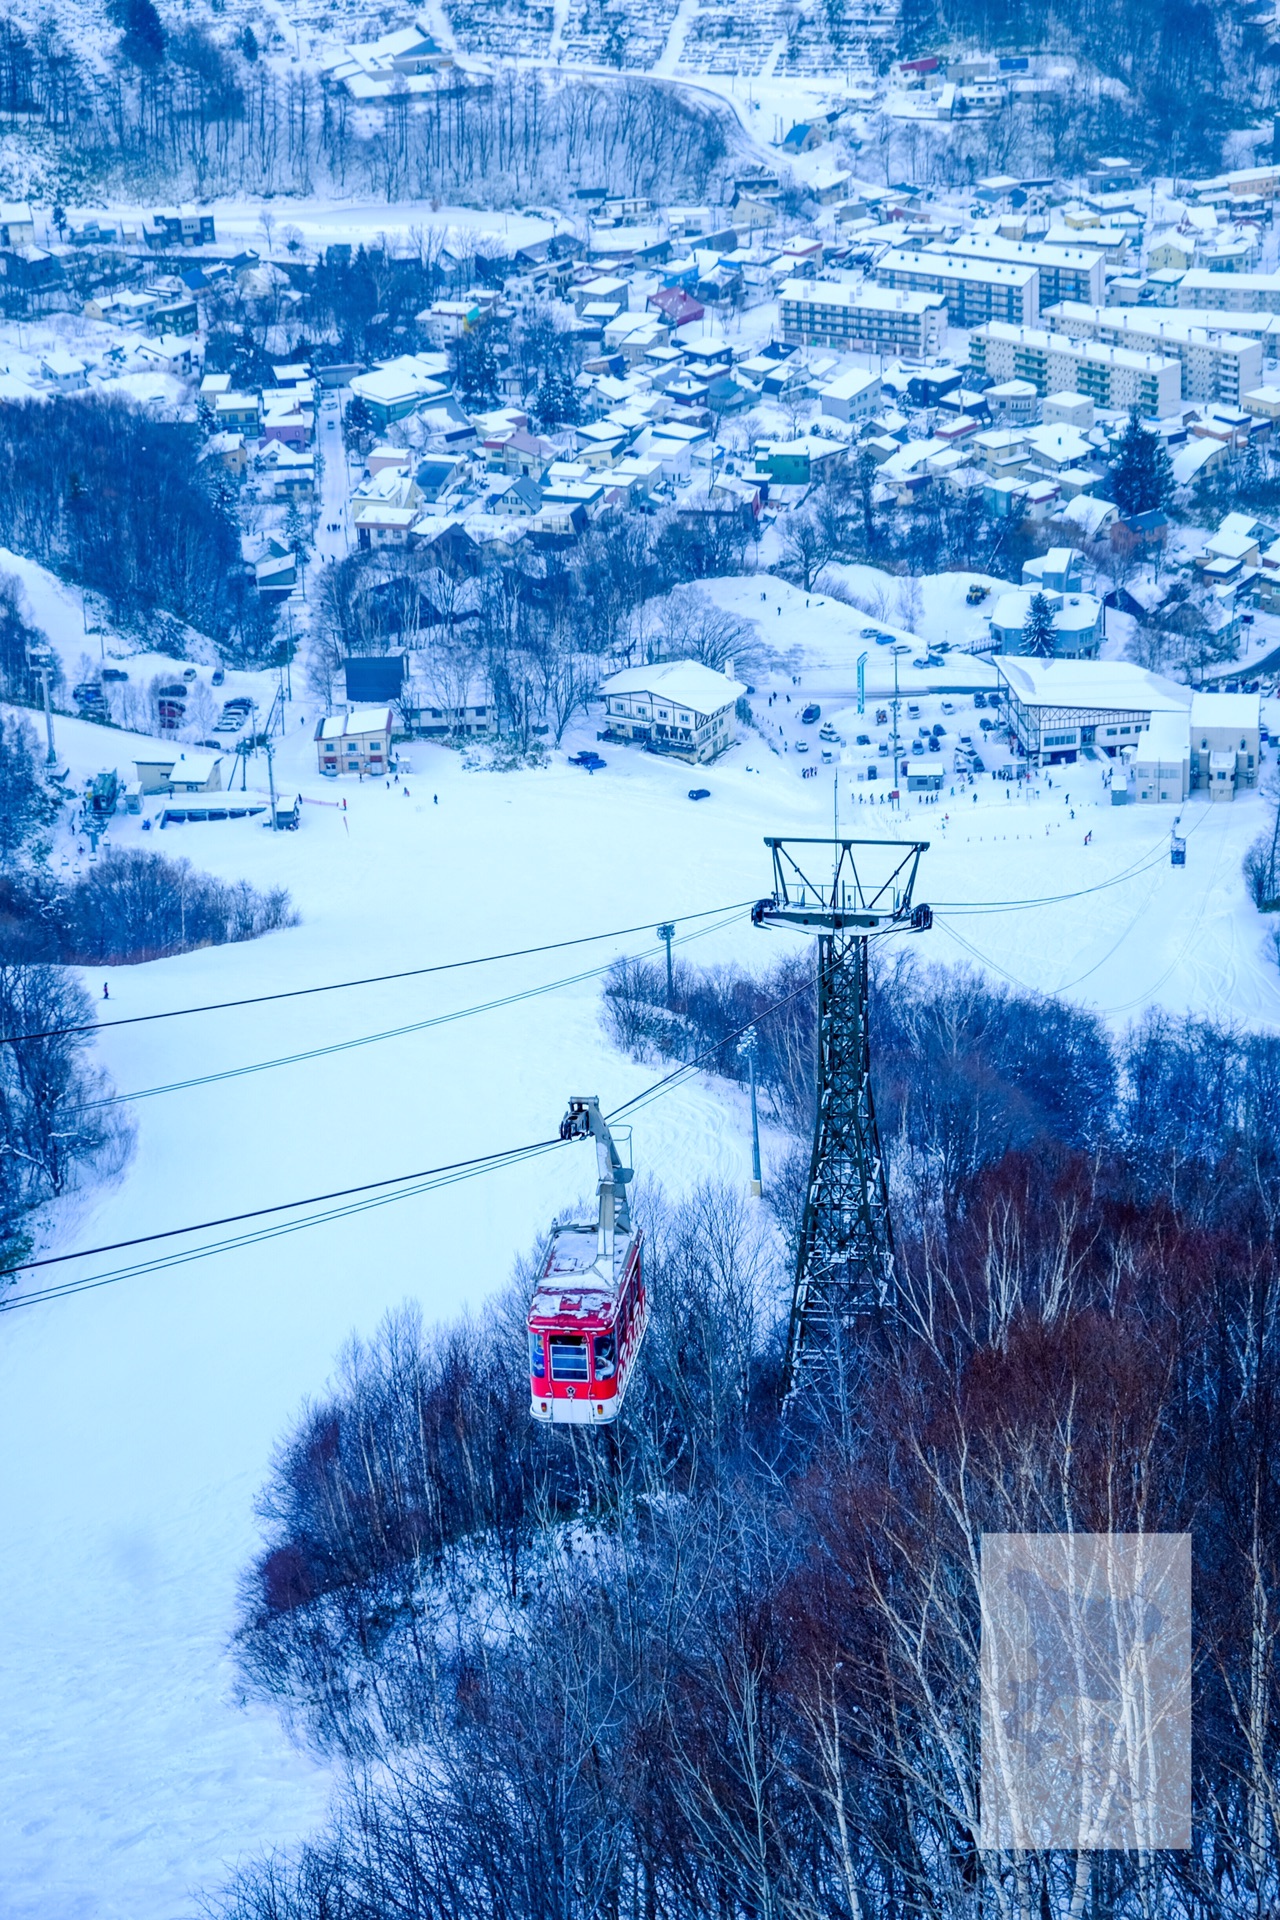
358,423
475,367
142,35
1039,634
557,402
1141,475
295,531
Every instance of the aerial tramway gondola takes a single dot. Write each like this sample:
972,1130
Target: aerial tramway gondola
589,1309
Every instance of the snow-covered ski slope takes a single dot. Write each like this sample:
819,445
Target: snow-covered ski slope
136,1421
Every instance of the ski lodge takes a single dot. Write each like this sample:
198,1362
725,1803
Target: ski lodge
1170,740
358,742
676,707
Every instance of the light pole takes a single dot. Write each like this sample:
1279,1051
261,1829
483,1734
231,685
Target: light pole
748,1048
667,932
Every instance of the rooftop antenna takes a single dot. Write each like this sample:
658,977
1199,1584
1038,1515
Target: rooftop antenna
844,1278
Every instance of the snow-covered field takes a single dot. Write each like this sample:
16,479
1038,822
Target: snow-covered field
137,1420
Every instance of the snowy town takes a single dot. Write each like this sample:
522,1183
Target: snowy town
639,696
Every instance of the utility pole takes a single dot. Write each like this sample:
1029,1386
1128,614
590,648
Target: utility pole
748,1047
845,1277
667,932
894,794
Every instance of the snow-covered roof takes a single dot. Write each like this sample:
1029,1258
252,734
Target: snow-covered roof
686,683
370,720
1092,683
1234,710
192,768
1165,737
1074,613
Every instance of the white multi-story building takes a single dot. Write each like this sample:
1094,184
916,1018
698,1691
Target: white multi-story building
1066,273
974,290
1216,364
861,319
1230,292
1112,377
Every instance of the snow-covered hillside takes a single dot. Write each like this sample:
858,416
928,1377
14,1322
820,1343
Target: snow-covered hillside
144,1413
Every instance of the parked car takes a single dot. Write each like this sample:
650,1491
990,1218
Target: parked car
699,793
189,674
920,661
948,706
917,746
986,725
114,673
588,758
864,739
802,746
809,715
979,699
976,764
872,633
219,675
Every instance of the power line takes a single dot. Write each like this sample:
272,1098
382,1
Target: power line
1143,864
357,1199
371,980
465,1170
391,1033
944,921
283,1206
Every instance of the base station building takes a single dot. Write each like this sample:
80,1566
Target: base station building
1168,741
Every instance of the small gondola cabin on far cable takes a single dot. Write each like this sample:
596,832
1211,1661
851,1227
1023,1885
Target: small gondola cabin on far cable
589,1310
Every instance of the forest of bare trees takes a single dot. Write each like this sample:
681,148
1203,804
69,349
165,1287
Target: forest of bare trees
184,112
728,1666
112,498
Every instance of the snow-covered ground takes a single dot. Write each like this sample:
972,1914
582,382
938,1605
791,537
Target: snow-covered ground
138,1419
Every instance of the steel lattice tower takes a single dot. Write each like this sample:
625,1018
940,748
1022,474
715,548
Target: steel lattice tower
844,1279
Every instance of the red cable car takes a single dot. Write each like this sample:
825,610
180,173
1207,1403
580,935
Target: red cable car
589,1309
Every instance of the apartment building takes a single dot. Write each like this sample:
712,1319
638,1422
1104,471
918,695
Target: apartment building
975,290
1216,364
1112,377
1066,273
1230,292
862,319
